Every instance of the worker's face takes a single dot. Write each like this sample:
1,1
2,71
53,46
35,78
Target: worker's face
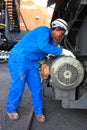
58,35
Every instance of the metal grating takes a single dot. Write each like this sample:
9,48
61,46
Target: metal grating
67,74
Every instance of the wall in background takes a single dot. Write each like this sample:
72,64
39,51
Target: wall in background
33,15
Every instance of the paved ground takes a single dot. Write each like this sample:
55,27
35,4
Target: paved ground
58,118
62,119
25,106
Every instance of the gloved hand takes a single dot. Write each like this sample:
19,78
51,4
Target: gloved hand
66,52
45,71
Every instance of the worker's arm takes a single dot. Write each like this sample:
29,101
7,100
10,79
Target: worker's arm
45,45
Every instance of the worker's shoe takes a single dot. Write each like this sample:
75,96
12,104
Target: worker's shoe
13,116
41,118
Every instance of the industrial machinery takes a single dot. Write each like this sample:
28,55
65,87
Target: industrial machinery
68,77
10,32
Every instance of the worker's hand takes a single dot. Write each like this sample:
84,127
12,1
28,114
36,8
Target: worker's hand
66,52
45,71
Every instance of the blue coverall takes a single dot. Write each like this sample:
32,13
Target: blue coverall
23,64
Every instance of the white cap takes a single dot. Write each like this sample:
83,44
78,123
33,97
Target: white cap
61,23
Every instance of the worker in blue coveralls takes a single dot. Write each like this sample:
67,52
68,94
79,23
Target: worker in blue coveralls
24,65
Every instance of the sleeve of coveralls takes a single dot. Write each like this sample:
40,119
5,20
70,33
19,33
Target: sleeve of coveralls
45,46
